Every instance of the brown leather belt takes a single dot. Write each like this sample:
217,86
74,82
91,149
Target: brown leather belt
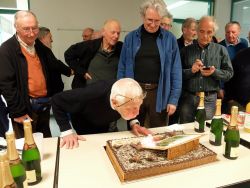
148,86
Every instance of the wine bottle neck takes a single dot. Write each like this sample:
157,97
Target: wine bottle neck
28,136
201,103
234,115
218,110
11,150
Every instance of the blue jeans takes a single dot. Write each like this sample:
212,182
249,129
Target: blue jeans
189,103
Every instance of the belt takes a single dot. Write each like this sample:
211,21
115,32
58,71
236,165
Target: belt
148,86
206,93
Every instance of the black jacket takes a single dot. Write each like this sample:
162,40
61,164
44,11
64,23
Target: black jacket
79,56
92,102
14,75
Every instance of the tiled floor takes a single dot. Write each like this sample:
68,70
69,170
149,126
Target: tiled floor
55,131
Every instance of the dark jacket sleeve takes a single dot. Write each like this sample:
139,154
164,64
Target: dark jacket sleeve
9,82
75,101
79,55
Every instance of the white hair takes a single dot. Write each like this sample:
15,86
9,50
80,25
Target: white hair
209,18
21,14
158,5
125,87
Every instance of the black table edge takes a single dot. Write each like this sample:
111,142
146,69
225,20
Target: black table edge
56,173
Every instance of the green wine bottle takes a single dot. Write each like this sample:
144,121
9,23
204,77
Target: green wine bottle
200,117
31,156
216,128
16,166
6,179
232,136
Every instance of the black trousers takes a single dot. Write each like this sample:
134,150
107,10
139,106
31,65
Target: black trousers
148,116
40,123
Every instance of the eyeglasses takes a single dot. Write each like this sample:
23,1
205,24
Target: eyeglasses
28,30
141,97
166,25
151,21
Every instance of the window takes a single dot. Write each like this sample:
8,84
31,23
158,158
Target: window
241,13
182,9
8,8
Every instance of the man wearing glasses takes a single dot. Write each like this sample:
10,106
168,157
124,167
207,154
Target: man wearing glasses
25,79
166,21
151,56
100,104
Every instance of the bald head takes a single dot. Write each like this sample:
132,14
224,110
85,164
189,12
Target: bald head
125,87
111,33
87,33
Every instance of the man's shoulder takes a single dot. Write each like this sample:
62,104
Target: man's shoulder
10,43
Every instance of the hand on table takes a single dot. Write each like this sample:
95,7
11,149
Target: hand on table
137,130
71,141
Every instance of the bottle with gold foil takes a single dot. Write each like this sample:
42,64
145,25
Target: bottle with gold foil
247,118
6,179
16,165
31,156
232,136
200,117
216,128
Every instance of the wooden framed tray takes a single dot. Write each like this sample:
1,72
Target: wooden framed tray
131,163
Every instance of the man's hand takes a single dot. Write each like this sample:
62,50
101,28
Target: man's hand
87,76
137,130
196,67
22,118
71,141
208,72
171,109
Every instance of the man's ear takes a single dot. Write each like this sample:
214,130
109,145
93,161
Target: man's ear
114,102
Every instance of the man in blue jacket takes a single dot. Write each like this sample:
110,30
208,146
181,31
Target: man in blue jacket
150,55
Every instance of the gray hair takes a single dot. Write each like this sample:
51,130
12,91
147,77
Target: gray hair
168,15
232,23
187,23
43,31
125,87
209,18
21,14
158,5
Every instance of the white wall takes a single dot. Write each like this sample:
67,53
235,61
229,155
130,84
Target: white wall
67,18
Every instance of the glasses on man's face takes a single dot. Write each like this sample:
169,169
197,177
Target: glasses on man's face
28,30
131,99
151,21
166,25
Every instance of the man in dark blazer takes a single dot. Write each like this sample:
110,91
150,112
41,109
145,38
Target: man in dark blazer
100,104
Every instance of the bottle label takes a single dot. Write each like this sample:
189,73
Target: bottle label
212,137
196,125
25,184
247,120
234,152
31,176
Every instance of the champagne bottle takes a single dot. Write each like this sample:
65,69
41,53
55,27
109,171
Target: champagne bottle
6,179
247,118
216,126
31,156
232,136
16,165
200,116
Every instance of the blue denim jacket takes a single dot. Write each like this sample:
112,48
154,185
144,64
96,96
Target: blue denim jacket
170,81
